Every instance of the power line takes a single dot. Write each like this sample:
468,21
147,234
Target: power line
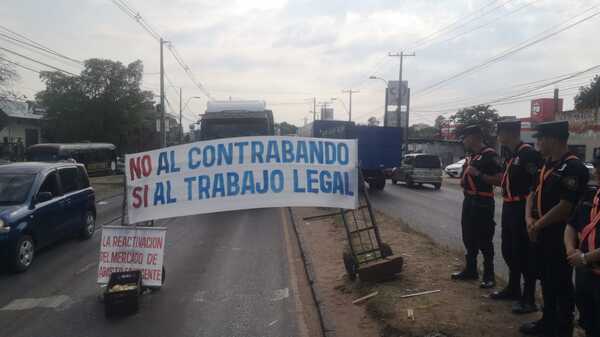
512,51
24,41
37,61
518,9
134,14
526,87
425,41
19,65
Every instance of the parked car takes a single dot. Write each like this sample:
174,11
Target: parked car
40,204
454,170
419,169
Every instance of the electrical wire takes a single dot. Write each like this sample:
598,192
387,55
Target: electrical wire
542,37
19,65
134,14
31,43
37,61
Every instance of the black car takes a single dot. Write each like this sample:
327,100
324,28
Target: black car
41,203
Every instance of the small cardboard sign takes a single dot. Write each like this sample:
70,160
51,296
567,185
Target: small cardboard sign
125,248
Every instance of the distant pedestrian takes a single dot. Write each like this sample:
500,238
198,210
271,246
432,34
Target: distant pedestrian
582,242
480,172
560,185
520,170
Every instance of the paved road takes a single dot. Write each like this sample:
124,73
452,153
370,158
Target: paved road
434,213
227,275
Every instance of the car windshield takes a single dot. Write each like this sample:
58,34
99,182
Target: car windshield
14,188
430,162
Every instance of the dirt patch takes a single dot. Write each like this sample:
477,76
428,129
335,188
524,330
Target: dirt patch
459,309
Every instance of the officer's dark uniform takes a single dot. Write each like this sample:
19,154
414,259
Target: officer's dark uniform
586,221
477,218
520,171
563,179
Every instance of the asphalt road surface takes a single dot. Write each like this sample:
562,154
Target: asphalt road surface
227,275
436,214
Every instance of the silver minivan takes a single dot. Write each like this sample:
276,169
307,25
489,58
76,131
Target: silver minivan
419,169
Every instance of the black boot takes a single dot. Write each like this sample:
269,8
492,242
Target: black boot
521,308
533,328
506,294
470,271
489,279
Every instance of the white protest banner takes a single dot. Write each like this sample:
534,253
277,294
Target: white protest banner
241,173
125,248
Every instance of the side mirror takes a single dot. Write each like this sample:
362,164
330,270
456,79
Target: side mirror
43,196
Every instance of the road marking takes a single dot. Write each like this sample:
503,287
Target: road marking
280,294
102,203
86,268
273,323
52,302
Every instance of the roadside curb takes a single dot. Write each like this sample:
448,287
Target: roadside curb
326,324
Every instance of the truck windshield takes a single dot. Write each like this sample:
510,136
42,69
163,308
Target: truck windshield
431,162
14,188
227,128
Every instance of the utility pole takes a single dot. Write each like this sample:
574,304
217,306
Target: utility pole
556,102
401,55
163,133
314,109
350,92
180,117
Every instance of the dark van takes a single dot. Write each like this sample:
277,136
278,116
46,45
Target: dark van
41,203
98,158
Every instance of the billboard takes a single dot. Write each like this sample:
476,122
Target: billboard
393,91
327,114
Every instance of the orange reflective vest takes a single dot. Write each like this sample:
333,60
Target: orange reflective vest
543,176
508,197
588,234
467,179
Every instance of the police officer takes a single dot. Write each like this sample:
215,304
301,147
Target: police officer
560,185
481,170
521,168
582,242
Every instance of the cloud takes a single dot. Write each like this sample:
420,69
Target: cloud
290,50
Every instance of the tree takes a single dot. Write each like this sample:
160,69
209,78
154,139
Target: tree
422,131
286,128
483,115
8,75
589,96
103,104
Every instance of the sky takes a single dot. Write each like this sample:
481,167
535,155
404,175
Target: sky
289,52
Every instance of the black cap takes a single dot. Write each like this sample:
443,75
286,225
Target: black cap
471,130
559,130
509,125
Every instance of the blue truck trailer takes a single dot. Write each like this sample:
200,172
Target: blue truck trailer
379,148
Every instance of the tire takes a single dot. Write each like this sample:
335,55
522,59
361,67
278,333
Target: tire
89,225
394,182
351,265
409,183
24,253
437,186
386,250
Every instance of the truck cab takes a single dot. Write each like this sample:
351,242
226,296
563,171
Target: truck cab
226,119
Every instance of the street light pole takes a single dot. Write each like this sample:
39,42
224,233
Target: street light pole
385,103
